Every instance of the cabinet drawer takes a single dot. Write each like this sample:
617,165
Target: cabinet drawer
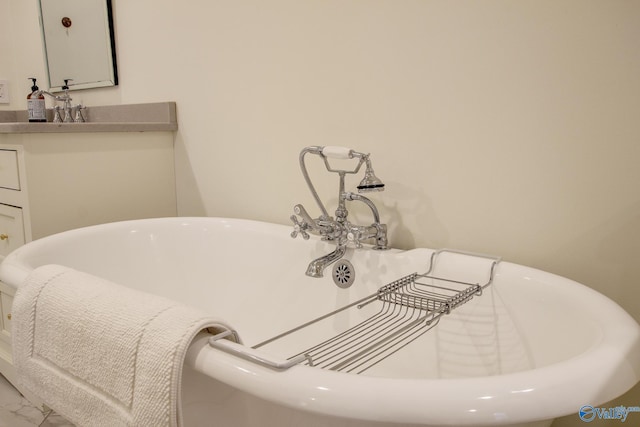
9,177
11,229
6,301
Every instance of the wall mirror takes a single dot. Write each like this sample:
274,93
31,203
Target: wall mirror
78,43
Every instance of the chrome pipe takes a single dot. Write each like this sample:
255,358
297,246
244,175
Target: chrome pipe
305,174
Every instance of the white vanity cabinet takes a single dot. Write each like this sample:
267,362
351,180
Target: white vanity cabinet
6,300
56,181
12,236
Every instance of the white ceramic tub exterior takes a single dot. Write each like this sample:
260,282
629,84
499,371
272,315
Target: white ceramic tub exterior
533,347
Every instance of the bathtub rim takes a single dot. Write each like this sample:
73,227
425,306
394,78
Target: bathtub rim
605,370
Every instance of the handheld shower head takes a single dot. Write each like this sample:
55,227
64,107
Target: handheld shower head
370,182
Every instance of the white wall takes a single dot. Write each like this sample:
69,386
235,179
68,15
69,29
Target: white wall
5,43
498,126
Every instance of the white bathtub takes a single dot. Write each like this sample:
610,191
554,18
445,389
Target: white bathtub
533,347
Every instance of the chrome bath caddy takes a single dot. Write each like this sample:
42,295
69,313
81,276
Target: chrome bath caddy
408,308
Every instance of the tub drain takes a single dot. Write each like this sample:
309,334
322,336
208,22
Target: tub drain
343,274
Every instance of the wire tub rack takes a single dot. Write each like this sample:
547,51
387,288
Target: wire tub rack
408,308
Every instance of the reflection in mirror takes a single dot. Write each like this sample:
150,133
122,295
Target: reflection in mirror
78,43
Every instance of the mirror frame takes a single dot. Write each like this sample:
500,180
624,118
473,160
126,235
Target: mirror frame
112,79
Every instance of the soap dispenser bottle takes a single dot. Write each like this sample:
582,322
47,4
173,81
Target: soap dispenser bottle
36,105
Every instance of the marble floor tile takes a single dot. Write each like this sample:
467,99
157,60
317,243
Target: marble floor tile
16,411
55,420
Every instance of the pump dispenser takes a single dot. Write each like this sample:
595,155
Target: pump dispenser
36,105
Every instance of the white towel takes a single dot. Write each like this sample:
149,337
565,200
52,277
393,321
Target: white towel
99,353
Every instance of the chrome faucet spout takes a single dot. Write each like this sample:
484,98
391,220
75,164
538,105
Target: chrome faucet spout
317,266
366,201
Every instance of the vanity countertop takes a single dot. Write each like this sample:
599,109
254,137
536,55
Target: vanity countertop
153,117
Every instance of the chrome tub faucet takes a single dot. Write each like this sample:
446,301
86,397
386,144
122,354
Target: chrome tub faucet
339,229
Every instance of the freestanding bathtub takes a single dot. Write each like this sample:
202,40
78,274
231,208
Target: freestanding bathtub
532,347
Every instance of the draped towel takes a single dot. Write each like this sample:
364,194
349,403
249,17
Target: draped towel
101,354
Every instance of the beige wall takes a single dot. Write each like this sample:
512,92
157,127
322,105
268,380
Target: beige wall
5,41
507,127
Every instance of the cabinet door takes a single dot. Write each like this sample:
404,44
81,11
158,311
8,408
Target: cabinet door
11,229
6,301
9,177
